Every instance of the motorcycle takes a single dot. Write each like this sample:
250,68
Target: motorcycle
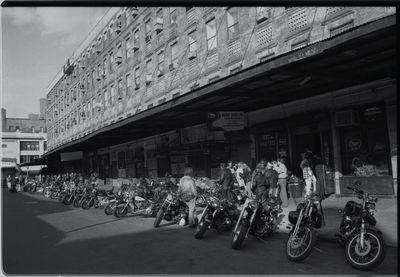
135,203
217,214
302,237
114,200
365,247
172,209
73,192
96,198
81,197
258,218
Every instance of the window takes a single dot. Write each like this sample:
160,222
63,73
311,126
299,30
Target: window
105,67
136,37
112,62
173,15
27,158
147,30
128,81
137,77
11,128
233,25
211,35
99,72
120,89
106,98
174,54
93,77
4,146
148,67
118,59
112,95
158,24
192,42
129,47
364,147
160,59
29,145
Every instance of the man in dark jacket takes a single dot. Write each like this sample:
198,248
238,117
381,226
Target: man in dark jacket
272,179
260,184
226,181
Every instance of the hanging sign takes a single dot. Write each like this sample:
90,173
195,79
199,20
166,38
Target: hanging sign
226,121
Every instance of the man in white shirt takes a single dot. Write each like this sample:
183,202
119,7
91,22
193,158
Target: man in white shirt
280,167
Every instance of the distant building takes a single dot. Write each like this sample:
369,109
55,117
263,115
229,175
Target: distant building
22,140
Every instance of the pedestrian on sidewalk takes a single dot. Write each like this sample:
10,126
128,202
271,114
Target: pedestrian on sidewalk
281,169
320,176
226,182
188,193
308,174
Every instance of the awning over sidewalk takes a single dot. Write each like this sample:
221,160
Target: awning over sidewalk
358,56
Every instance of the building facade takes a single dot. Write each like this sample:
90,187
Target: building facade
239,83
22,141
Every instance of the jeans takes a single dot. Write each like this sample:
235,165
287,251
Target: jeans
283,193
191,204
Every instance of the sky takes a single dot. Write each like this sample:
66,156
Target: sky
36,42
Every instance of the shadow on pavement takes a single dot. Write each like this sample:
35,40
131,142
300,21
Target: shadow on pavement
30,246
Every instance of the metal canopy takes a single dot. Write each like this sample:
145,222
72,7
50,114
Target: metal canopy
360,55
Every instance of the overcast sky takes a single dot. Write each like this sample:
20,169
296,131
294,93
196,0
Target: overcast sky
36,42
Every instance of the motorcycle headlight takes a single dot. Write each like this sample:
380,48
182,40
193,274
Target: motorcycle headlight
371,207
169,197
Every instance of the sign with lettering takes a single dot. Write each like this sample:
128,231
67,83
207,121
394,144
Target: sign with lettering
226,121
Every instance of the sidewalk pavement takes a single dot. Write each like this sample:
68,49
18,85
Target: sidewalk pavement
386,216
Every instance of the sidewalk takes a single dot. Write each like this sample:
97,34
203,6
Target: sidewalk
386,216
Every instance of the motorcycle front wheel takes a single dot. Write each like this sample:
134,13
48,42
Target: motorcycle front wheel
159,217
77,202
239,235
371,255
68,200
109,209
120,211
300,245
201,229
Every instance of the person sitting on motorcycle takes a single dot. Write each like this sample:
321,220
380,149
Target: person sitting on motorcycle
188,193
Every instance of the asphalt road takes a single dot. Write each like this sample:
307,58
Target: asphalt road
42,236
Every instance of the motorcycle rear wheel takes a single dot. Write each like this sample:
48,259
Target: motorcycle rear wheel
371,256
298,248
87,204
239,235
159,218
54,195
201,229
120,211
77,202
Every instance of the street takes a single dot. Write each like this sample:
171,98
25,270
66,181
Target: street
42,236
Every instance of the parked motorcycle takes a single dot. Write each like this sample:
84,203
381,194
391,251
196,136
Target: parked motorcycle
81,197
96,198
172,209
70,197
258,218
365,247
302,237
137,204
114,200
218,214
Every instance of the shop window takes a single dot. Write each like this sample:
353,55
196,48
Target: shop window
272,145
364,147
29,145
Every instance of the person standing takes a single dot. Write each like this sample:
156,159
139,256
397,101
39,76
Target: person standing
188,193
272,180
319,174
8,180
246,176
226,181
308,174
281,169
260,185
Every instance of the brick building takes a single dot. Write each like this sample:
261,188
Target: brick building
153,89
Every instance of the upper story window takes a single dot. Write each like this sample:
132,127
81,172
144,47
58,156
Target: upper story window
159,22
29,145
173,15
112,95
105,68
129,47
147,30
106,97
211,33
137,78
233,24
120,89
112,62
128,81
136,38
160,59
192,41
118,58
174,54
